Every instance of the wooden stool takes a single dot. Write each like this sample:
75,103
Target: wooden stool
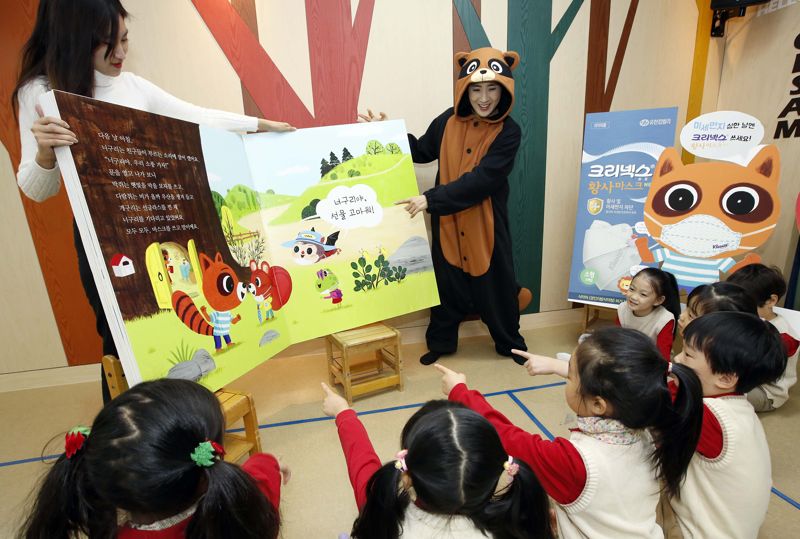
593,313
364,375
236,406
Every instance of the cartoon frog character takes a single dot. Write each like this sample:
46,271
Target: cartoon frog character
328,286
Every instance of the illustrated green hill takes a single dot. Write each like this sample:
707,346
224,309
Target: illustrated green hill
372,168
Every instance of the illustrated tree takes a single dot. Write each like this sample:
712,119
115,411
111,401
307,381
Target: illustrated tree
393,148
310,210
530,34
374,147
334,160
219,200
346,155
324,167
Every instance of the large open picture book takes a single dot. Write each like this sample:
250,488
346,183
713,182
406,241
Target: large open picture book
213,251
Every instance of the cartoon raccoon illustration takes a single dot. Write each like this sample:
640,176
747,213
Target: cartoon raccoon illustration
223,292
704,214
271,287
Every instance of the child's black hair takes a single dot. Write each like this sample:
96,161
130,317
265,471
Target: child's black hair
138,458
760,281
720,296
739,343
455,459
624,367
664,284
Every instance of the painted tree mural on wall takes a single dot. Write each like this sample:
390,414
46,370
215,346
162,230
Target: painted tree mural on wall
337,46
530,35
599,94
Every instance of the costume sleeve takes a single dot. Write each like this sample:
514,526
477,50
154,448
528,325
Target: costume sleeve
426,148
362,461
790,343
481,182
161,102
557,464
711,439
36,182
266,471
665,338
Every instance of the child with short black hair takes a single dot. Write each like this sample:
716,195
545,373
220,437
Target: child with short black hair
155,454
767,286
452,479
653,306
715,297
606,477
728,484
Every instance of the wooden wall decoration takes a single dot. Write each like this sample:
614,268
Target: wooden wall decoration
50,222
337,48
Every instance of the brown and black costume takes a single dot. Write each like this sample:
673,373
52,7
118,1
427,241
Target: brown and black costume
472,255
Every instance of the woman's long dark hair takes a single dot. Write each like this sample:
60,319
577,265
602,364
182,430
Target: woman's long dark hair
455,459
665,284
624,367
137,458
64,38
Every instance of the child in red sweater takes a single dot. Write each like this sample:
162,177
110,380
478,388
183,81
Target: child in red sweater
155,454
452,479
606,477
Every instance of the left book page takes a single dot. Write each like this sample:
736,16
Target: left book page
152,212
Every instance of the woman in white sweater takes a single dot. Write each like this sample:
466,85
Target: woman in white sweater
79,46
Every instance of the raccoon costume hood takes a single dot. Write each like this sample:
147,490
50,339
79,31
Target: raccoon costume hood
468,237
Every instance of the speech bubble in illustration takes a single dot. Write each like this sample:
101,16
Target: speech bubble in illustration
351,207
722,134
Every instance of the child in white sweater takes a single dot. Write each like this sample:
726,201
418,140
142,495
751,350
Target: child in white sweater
767,287
606,478
727,487
652,305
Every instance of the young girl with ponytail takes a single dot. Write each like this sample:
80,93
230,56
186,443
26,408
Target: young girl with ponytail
154,454
630,438
452,479
652,306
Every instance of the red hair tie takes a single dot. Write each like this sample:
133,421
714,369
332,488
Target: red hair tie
74,440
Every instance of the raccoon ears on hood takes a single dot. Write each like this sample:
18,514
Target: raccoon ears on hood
512,59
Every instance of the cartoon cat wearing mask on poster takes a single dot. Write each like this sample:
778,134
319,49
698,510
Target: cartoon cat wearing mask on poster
704,214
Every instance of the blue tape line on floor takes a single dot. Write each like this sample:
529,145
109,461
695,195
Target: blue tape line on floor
785,498
395,408
531,416
509,392
28,461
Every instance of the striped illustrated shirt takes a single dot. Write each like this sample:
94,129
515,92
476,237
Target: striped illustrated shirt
691,272
221,320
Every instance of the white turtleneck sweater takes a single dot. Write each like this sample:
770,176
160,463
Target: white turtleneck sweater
127,90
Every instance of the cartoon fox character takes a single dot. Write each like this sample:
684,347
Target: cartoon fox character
704,214
271,287
223,292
